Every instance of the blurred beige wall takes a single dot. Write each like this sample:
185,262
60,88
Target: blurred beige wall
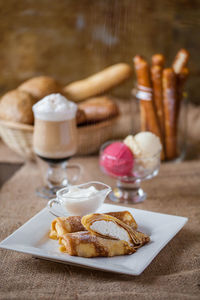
71,39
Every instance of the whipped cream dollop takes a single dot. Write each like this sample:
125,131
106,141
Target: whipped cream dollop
55,107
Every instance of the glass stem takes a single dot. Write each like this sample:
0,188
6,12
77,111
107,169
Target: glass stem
56,174
133,185
128,192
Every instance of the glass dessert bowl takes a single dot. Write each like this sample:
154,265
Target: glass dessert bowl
128,173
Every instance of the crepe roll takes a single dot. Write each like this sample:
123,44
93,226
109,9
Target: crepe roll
110,227
63,225
124,216
85,244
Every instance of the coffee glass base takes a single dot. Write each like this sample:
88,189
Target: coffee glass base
127,193
58,176
47,192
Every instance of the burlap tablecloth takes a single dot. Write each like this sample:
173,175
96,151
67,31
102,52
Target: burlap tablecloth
174,273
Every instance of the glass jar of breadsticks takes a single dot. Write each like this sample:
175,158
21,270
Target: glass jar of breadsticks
162,101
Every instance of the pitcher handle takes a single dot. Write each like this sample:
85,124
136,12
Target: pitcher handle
51,207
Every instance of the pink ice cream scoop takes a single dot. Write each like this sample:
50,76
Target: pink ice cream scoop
117,159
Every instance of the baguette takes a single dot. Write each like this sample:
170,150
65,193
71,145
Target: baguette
98,83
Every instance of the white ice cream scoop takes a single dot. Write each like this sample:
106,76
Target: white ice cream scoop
144,144
146,148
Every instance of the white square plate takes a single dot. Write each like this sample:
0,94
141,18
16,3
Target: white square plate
32,238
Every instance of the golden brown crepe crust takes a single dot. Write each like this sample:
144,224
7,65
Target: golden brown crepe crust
124,216
63,225
144,239
73,223
86,245
138,239
40,86
16,106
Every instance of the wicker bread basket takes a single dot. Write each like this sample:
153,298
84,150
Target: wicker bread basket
19,137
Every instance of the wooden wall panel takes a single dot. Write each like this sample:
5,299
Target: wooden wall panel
71,39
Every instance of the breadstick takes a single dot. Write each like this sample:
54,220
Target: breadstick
180,60
156,77
181,79
178,66
170,100
143,119
158,60
145,96
143,80
98,83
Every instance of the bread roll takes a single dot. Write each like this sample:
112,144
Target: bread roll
98,83
16,106
99,108
80,117
41,86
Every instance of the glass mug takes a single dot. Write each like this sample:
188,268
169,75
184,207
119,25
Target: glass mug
55,141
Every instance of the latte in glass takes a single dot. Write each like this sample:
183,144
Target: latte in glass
55,132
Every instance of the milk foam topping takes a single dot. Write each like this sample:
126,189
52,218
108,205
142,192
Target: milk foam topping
55,107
